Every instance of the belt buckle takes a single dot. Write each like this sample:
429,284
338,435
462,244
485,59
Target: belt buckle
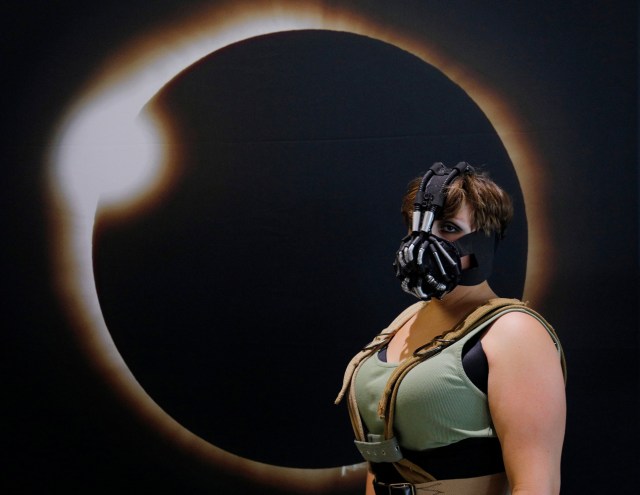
401,489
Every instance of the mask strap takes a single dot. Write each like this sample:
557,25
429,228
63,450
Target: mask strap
481,248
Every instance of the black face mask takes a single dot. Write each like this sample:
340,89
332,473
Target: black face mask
429,266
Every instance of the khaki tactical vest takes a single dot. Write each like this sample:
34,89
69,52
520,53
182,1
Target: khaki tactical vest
384,447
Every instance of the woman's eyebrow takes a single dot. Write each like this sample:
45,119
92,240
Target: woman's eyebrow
453,221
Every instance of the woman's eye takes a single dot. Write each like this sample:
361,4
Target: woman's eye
449,228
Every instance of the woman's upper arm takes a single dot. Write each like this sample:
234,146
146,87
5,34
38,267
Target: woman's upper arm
527,401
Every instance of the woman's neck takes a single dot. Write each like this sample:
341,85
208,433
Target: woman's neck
437,317
441,314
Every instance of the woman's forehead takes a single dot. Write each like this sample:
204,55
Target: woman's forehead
464,213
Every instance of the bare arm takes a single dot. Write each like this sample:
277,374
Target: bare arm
527,402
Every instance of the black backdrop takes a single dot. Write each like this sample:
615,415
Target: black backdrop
305,186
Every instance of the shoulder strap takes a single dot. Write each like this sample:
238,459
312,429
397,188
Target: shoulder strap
354,365
377,343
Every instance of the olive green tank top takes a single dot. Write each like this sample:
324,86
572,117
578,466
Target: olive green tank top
437,404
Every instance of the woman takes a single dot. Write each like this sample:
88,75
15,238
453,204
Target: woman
481,411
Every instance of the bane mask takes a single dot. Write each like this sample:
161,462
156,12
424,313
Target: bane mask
429,266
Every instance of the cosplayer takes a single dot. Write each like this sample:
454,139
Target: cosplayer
463,393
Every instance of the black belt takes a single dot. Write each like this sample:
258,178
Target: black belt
466,459
393,488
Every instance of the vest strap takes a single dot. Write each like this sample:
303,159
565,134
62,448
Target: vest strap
377,343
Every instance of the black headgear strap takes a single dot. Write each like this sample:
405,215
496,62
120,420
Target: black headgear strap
481,248
429,266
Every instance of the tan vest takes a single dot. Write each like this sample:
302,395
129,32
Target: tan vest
437,404
385,447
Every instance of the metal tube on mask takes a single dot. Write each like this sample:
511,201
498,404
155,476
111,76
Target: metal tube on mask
427,221
445,254
415,221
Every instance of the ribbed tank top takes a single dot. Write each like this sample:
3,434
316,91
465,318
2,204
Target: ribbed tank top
437,404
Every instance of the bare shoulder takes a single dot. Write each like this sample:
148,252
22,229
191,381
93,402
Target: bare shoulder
518,331
524,364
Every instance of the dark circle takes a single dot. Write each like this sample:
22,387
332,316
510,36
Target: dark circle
238,301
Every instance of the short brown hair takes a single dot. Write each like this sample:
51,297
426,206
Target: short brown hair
491,206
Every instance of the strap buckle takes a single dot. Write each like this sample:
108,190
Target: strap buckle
393,488
376,449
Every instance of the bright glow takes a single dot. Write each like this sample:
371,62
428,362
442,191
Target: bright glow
108,154
105,150
109,151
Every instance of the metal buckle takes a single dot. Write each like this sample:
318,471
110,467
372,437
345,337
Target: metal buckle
393,488
401,489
